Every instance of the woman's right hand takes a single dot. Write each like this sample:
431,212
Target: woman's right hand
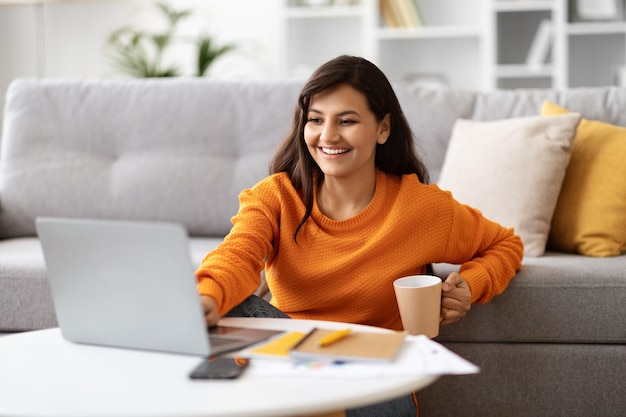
210,310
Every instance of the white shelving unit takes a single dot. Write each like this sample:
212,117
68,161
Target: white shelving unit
476,45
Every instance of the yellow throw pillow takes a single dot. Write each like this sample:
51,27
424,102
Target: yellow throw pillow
590,215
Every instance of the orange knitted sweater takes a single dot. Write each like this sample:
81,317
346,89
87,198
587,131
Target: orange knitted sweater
343,270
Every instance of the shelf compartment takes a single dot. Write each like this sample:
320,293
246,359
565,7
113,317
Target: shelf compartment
516,33
432,58
584,54
301,61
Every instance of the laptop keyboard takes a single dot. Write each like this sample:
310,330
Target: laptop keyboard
220,341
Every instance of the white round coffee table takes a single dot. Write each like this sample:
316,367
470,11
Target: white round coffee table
41,374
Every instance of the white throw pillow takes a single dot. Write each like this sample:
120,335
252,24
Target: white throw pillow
511,170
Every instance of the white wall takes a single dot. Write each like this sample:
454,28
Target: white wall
68,38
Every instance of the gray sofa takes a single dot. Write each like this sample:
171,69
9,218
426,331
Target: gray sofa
181,150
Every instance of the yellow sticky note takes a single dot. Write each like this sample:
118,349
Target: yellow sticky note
279,346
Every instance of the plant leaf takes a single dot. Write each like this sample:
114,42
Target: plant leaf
172,15
207,53
140,54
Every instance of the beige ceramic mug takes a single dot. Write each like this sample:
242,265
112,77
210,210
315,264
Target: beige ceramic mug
419,302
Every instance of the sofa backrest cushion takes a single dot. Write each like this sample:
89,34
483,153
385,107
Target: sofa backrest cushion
164,150
182,149
432,112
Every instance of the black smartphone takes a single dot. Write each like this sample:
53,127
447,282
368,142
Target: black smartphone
221,367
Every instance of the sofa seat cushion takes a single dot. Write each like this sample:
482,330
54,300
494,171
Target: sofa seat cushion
25,299
200,246
557,298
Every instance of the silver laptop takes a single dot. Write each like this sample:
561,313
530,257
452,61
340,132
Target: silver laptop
131,285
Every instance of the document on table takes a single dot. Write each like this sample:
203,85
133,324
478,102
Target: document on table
417,356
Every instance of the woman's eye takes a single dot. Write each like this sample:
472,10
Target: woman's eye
315,120
346,121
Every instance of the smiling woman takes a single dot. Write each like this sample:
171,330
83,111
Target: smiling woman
397,157
346,211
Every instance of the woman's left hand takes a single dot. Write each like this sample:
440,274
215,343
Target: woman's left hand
455,298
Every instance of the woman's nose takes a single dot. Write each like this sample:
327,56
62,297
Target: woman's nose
329,132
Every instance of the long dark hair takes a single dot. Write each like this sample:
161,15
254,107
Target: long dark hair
396,156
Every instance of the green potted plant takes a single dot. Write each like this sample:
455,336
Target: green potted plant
141,54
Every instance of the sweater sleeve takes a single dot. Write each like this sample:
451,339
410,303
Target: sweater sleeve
495,253
232,272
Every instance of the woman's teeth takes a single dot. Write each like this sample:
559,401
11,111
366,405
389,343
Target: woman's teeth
334,151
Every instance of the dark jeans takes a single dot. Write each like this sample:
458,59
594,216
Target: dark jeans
254,306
